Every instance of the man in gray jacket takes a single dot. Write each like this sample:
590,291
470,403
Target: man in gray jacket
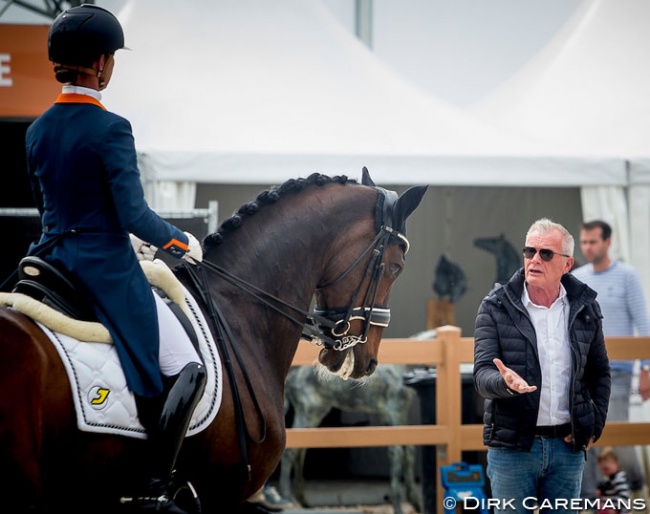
541,363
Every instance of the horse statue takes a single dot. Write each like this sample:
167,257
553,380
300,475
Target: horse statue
450,280
327,239
312,396
507,257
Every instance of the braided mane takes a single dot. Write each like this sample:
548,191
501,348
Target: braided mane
268,197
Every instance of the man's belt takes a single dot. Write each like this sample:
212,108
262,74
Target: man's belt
559,431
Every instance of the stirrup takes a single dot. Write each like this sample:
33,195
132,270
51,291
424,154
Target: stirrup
164,497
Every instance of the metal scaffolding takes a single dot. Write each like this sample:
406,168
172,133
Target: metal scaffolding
49,8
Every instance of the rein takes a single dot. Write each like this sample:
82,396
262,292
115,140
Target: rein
219,322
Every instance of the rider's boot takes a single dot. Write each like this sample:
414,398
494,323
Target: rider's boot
166,438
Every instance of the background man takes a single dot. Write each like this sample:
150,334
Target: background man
623,305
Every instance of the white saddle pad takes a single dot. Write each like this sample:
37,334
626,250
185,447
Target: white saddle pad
102,400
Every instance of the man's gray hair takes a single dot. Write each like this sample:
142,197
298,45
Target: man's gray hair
546,226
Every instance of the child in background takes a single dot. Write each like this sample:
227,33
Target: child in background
614,491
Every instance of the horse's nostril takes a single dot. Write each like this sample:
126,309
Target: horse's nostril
372,365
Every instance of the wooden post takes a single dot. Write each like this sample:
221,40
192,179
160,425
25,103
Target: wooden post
448,401
440,313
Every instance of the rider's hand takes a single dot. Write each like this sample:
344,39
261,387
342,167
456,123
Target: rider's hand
143,250
194,251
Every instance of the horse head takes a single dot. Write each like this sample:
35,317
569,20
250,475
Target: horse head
507,257
358,306
450,280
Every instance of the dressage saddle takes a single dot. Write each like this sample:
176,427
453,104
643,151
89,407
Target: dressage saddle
47,284
51,286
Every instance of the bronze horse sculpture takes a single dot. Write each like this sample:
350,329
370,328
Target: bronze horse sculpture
312,397
324,238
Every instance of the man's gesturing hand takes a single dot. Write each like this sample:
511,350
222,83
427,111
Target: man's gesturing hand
513,381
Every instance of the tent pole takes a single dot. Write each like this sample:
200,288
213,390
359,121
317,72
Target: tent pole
363,25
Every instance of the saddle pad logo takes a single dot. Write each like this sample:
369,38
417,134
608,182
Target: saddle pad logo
97,397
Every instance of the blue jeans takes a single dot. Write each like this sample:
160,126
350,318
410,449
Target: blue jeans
520,481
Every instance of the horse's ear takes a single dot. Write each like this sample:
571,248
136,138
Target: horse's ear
365,178
405,206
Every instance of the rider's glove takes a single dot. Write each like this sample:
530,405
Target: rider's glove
194,251
143,250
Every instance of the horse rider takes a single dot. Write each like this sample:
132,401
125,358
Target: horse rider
85,180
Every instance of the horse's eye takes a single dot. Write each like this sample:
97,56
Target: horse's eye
394,269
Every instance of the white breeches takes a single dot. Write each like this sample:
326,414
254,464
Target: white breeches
176,350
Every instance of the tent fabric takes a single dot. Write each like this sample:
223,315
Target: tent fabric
242,91
639,206
586,93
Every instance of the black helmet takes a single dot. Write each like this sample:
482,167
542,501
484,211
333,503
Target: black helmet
81,34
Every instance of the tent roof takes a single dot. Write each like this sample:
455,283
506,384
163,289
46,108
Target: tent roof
586,92
242,91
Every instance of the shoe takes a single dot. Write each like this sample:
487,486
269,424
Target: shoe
273,499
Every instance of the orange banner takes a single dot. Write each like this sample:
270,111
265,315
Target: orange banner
27,84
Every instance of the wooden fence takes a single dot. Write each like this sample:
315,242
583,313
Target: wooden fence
447,352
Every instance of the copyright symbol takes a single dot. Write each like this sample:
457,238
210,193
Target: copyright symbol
449,503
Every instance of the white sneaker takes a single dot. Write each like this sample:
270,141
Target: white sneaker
273,497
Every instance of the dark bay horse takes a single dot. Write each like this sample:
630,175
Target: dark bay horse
327,238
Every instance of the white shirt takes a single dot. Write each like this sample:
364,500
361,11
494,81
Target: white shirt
552,330
80,90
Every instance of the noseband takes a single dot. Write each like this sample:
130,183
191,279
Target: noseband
330,327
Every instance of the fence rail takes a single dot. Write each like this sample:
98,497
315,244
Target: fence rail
447,352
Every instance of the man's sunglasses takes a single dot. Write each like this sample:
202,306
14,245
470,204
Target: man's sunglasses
544,253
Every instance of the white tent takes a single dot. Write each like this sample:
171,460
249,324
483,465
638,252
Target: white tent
244,91
586,94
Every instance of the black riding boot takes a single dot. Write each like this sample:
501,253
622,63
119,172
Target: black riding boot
166,438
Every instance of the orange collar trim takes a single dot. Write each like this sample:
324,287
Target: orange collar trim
75,98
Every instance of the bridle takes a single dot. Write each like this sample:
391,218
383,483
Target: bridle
330,327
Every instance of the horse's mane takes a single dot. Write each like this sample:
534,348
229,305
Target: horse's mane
268,197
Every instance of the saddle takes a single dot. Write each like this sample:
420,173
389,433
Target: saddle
51,286
45,283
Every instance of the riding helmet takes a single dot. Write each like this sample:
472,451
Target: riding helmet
81,34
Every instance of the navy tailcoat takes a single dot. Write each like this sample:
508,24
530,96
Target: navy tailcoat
82,166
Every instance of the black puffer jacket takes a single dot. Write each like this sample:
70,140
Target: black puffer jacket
504,330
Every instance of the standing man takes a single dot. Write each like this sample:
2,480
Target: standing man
620,296
540,361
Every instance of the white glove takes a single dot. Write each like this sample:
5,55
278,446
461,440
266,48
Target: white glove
194,251
143,250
